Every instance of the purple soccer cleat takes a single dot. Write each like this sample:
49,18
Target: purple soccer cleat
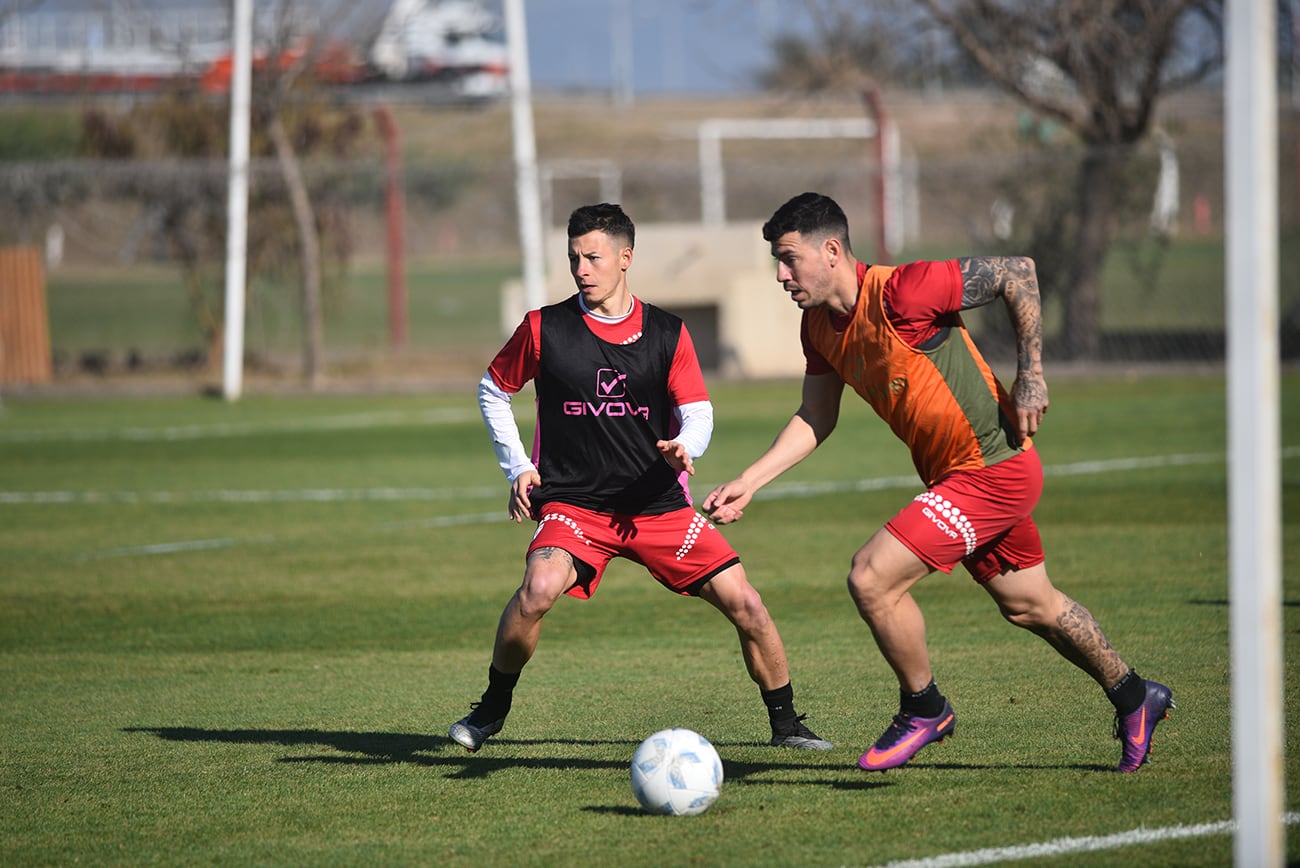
1134,730
905,736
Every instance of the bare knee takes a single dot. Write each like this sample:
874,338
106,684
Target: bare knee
540,590
749,613
531,604
1024,618
1032,613
733,595
1027,598
865,583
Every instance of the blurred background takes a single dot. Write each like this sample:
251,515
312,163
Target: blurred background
384,244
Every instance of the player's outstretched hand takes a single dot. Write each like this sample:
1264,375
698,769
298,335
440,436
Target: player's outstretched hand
520,506
677,456
726,503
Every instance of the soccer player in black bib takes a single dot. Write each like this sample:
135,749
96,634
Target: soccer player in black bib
622,412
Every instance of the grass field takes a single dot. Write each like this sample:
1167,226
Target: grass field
451,306
237,634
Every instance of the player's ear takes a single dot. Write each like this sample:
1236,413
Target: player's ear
625,258
832,249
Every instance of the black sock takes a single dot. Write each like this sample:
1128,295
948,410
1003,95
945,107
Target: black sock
496,700
927,703
780,706
1128,694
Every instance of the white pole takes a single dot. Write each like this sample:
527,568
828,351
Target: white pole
1254,433
710,133
892,173
713,191
527,188
621,62
241,32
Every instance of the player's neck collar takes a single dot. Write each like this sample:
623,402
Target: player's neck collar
600,317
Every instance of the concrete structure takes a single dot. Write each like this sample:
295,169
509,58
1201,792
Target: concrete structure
720,279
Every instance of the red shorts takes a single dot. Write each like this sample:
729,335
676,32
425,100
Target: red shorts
681,549
979,518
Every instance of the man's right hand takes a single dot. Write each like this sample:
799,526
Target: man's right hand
521,507
726,503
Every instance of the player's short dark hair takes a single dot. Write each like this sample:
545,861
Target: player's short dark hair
809,214
605,217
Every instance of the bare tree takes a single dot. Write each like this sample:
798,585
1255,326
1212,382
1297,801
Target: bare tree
271,102
1099,67
180,137
847,42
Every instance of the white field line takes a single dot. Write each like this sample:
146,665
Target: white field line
448,521
1070,846
776,491
302,495
173,548
349,422
233,542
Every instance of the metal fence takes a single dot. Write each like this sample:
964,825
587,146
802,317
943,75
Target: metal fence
110,251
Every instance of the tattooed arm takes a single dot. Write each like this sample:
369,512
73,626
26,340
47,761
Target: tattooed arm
1014,280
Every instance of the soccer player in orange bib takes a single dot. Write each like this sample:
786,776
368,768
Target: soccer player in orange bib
895,335
622,412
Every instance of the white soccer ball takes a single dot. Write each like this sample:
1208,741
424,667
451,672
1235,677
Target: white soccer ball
676,772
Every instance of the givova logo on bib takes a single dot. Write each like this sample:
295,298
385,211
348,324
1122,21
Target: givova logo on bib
611,398
611,383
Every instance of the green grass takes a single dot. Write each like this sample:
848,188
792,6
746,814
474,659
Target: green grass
40,133
451,306
202,665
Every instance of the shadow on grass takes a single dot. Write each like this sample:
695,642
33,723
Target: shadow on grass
376,748
1053,767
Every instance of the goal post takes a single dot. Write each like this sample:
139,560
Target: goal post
1254,433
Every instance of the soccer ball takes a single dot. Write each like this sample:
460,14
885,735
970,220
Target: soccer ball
676,772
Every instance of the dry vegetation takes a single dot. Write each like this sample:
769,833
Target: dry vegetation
659,128
930,124
956,137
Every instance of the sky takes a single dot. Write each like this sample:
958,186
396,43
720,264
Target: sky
691,46
608,46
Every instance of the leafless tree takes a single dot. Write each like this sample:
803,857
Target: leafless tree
181,136
1099,67
271,101
846,42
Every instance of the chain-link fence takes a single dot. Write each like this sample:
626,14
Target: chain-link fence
134,251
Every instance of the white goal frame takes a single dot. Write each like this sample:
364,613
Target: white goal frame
1254,432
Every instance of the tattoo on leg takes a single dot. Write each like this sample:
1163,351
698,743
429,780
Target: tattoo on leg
546,553
1078,637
